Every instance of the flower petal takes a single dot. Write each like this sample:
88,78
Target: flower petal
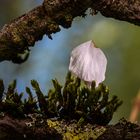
88,63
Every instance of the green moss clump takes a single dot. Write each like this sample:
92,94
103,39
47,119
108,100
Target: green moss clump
74,101
12,103
77,101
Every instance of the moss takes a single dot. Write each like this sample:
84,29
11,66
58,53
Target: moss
74,111
74,101
65,20
52,27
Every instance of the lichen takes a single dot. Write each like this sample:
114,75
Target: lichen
71,131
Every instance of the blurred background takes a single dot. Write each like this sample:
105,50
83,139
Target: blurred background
49,59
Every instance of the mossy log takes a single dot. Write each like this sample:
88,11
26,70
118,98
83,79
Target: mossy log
19,34
28,129
17,129
74,111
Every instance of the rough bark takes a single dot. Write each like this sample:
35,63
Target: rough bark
17,36
123,130
126,10
13,129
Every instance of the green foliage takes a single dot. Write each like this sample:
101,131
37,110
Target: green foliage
75,101
78,101
12,104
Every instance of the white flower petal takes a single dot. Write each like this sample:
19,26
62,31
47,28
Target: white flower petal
88,63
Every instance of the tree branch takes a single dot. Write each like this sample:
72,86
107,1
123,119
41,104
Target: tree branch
126,10
17,36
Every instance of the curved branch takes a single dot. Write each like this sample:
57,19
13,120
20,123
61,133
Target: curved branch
24,31
126,10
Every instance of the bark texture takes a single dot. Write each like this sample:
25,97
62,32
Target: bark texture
14,129
17,36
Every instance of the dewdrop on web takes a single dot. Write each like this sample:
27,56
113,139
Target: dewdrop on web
88,63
